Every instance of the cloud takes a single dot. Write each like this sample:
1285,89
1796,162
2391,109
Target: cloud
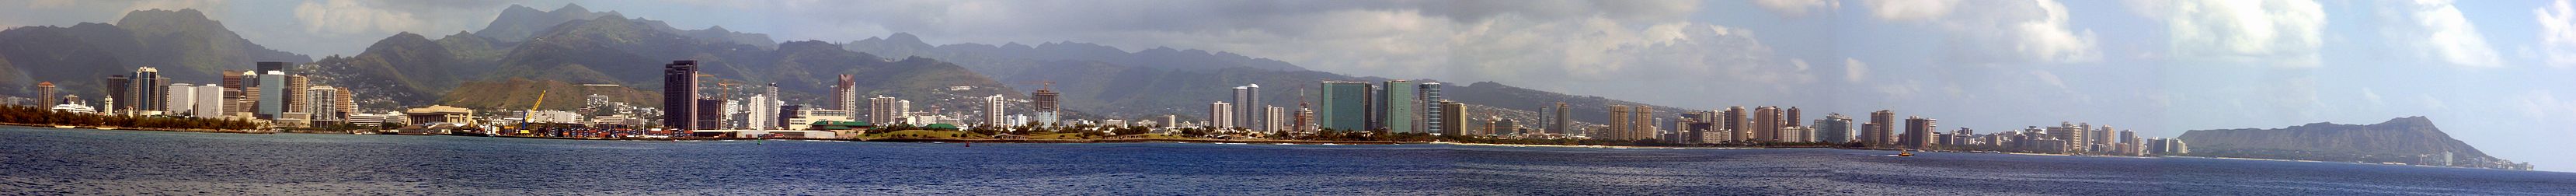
350,17
2434,29
1999,31
1797,8
2543,106
2286,33
2558,33
2048,78
1905,10
2373,96
1854,71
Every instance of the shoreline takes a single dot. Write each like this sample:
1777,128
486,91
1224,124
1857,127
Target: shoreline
142,129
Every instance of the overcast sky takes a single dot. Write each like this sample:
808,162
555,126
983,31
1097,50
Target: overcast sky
2495,74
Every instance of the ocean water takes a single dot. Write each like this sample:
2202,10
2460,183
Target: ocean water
46,161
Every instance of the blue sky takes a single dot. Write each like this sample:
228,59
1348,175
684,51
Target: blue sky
2485,71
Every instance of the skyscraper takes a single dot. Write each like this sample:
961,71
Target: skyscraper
1345,106
45,95
1559,125
298,100
209,101
149,91
1881,128
1452,118
1918,132
119,89
265,67
1431,102
888,110
760,112
272,94
845,96
1400,107
1766,124
1642,125
1273,116
1618,124
1835,128
1734,124
181,99
993,111
1044,102
709,114
1247,102
1793,117
1220,115
680,95
321,107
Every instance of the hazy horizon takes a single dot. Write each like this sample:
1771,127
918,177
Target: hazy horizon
2491,73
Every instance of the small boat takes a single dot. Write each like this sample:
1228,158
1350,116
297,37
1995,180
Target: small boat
1904,154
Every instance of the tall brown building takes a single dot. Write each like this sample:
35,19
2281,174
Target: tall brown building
1918,132
845,96
1793,116
1881,130
298,102
1618,124
1766,124
45,95
1642,126
1734,124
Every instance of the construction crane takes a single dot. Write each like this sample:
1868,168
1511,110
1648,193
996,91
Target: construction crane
531,114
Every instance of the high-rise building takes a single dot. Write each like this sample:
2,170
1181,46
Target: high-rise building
149,91
1918,132
1452,119
1346,106
1835,128
1881,129
1044,103
1766,124
1247,102
1618,124
45,95
1793,117
265,67
1642,125
1430,100
181,99
1732,121
323,106
845,95
1219,114
709,114
298,101
760,113
348,102
1400,107
679,95
1563,120
244,93
209,101
993,111
272,94
1275,118
888,110
119,89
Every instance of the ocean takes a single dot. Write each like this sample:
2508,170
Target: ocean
48,161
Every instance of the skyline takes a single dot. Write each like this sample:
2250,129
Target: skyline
2343,62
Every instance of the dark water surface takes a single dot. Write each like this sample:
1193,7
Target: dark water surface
46,161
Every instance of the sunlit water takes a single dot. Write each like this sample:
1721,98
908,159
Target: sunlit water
64,161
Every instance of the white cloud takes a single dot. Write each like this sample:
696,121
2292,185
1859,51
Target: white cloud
2434,29
2542,106
2281,32
2558,33
350,17
2048,78
1901,10
1854,71
1999,31
1797,8
2373,96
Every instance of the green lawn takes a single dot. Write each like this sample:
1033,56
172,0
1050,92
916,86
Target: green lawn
927,134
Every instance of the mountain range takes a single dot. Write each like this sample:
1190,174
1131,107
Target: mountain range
2396,140
571,52
183,44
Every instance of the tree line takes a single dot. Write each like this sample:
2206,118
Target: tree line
18,114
